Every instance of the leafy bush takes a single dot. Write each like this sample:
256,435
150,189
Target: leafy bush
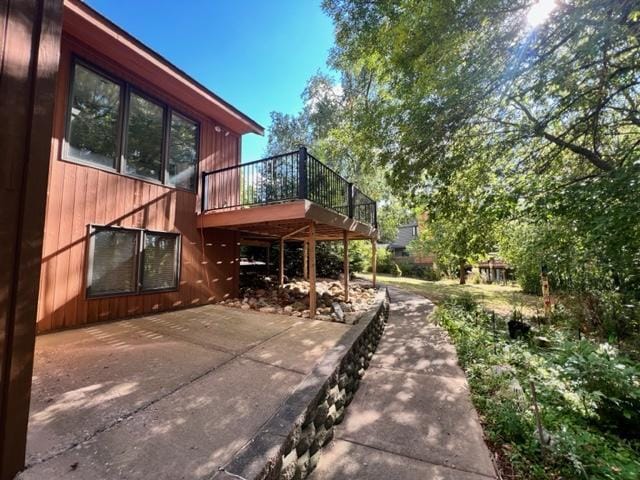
415,270
587,394
607,383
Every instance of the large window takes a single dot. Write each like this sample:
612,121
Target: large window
113,125
183,154
144,138
126,261
93,118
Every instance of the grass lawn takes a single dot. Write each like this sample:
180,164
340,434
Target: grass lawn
501,298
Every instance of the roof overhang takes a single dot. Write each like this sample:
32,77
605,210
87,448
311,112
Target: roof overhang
90,27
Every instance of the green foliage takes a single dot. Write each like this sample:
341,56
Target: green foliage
424,272
325,125
608,383
329,258
587,394
510,135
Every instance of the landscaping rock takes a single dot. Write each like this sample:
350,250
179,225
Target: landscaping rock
337,310
293,299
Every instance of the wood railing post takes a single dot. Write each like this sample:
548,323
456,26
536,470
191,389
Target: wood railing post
303,190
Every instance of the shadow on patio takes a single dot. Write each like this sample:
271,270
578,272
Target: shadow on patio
172,395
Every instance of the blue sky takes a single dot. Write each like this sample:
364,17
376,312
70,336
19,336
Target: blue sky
256,54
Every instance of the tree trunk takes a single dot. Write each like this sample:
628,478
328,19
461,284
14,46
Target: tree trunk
463,272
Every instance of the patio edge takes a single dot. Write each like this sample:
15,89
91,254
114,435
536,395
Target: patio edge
289,444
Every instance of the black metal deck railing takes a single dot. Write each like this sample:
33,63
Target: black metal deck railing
284,178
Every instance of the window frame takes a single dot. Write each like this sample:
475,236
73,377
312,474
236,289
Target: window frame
138,262
126,88
167,146
91,257
177,262
130,89
66,146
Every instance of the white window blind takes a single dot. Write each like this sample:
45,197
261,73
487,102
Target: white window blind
160,261
113,261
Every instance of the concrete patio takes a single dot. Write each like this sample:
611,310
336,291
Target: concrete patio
173,395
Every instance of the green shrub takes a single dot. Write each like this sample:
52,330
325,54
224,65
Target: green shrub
609,384
587,396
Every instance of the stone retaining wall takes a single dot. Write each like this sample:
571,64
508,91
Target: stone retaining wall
288,446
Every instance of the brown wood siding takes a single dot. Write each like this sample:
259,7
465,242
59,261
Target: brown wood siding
80,195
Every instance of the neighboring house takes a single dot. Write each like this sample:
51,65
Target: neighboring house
406,234
494,269
147,201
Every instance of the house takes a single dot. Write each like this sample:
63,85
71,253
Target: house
406,234
494,269
123,192
147,201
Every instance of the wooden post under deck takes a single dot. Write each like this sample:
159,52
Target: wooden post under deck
374,260
345,261
312,270
305,260
268,259
281,278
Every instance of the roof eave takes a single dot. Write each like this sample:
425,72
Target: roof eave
87,25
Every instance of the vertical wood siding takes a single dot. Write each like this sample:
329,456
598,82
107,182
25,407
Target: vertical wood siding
80,195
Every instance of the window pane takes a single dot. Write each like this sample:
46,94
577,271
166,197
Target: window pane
181,168
144,138
93,125
160,261
114,266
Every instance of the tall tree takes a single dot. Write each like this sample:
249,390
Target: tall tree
326,126
541,111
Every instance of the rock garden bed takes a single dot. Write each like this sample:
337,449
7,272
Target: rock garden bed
293,299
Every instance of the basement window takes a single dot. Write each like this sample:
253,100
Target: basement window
160,261
113,264
124,261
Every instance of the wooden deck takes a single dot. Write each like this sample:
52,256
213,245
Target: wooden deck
287,219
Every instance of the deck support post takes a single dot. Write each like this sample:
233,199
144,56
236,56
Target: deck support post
281,277
305,259
345,261
269,259
312,270
374,261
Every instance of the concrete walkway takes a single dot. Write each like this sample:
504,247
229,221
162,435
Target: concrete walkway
412,417
167,396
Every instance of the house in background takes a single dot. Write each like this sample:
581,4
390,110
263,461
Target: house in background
495,270
399,247
147,202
